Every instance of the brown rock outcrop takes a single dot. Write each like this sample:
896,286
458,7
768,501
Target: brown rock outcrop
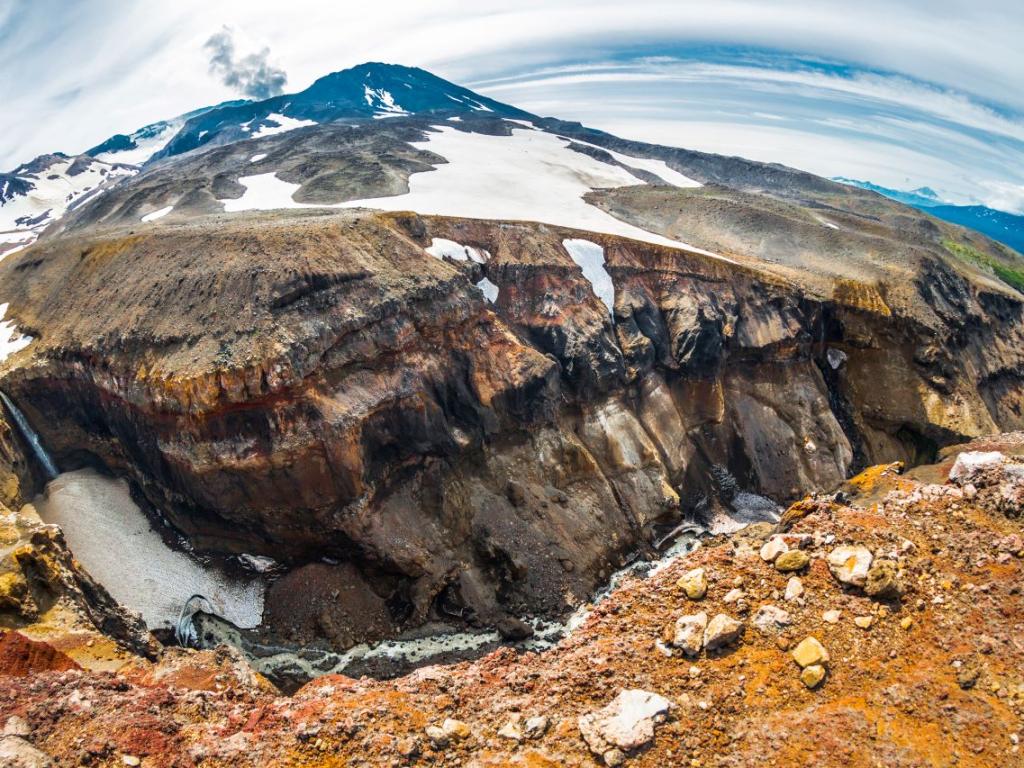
311,385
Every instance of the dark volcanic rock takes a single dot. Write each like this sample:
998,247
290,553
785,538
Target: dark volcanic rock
311,385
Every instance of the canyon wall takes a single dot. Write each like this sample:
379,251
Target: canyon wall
310,386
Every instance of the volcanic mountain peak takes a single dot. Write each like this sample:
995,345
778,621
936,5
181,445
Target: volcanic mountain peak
371,90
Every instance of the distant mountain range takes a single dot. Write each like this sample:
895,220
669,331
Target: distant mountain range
1007,228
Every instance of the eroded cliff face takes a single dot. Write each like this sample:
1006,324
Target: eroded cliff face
311,386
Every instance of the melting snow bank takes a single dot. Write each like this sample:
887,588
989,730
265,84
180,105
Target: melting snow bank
590,257
441,249
425,646
264,192
527,176
113,539
275,123
157,214
11,340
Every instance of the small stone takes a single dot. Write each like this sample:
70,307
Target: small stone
967,676
689,634
793,560
832,617
864,622
536,727
512,730
774,547
16,726
694,583
732,596
883,580
131,760
850,564
906,622
812,675
771,619
721,631
437,736
794,588
408,747
614,757
455,729
809,652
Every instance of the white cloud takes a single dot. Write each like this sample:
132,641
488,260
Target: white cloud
112,66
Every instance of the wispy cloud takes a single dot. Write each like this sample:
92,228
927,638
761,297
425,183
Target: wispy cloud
252,76
900,91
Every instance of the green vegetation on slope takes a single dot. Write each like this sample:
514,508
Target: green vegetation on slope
1012,276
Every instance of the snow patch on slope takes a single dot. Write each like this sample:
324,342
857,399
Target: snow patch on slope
11,340
441,248
658,167
283,125
264,192
527,176
489,289
590,257
157,214
382,101
148,142
53,192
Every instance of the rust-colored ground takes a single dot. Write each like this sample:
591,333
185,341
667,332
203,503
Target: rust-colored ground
937,680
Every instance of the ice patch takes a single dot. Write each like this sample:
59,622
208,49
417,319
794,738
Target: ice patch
382,100
257,157
441,248
527,176
658,167
157,214
264,192
490,290
114,540
284,124
455,119
11,340
590,257
145,148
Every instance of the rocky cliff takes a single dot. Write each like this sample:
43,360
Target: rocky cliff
877,627
311,385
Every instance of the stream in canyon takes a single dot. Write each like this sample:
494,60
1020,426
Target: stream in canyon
152,573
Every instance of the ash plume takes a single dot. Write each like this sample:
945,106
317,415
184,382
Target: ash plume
252,76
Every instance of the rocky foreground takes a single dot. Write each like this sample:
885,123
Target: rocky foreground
878,626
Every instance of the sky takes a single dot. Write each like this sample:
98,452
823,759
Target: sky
902,93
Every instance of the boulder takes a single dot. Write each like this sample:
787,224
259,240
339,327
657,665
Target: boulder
694,583
689,633
793,560
883,580
849,564
969,465
721,631
625,724
809,652
770,619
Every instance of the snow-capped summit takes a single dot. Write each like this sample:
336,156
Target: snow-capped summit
371,90
35,194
